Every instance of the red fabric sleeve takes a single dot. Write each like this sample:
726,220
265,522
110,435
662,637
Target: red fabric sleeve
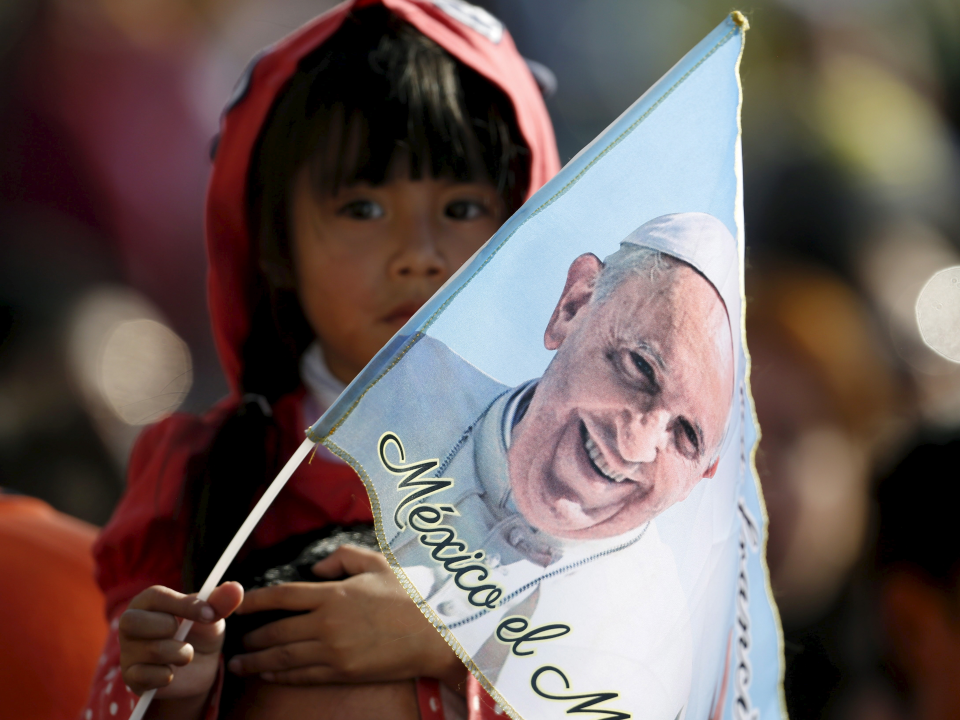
144,542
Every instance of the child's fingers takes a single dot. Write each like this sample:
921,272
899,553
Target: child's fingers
147,625
226,598
289,596
207,638
281,632
163,599
157,652
312,675
278,658
350,560
141,678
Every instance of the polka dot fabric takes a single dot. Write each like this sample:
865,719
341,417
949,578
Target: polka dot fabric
110,698
439,703
479,703
429,699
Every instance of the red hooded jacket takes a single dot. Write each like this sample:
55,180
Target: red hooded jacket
144,542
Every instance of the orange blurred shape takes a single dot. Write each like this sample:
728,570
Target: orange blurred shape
827,401
52,624
828,326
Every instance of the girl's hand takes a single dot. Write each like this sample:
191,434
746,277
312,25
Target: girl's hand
151,658
362,629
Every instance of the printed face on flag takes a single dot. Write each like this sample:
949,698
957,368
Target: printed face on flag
529,511
629,415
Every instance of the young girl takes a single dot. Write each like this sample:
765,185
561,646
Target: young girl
361,162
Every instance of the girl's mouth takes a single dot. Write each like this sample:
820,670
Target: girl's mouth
402,313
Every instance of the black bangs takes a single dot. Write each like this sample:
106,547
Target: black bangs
380,93
379,98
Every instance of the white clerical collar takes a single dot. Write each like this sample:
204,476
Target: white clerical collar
516,408
323,386
492,436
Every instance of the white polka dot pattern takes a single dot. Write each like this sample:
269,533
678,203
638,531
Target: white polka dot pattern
110,698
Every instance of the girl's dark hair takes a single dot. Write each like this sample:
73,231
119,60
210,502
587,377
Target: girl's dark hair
377,94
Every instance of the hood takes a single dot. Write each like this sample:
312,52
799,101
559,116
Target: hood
468,33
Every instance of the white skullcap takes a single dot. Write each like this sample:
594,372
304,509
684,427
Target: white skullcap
702,241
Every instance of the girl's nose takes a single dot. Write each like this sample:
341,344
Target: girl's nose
641,435
419,255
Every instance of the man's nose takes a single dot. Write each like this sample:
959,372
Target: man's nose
418,254
641,435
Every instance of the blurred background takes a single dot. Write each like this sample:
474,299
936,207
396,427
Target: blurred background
851,145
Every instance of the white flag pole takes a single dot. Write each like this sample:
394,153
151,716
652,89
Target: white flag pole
231,552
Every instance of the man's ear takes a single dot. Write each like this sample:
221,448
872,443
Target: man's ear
581,278
712,470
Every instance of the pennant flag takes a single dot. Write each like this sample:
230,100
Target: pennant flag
559,446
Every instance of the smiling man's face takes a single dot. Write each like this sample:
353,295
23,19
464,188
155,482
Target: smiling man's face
630,414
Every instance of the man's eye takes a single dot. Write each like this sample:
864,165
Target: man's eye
362,210
465,210
645,368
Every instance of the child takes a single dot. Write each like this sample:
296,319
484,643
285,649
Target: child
364,160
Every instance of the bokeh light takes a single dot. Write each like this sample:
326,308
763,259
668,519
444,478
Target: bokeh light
126,359
145,371
130,368
938,313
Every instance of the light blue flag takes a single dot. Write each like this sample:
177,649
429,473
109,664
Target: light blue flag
559,446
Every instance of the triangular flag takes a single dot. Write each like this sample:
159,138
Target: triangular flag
558,447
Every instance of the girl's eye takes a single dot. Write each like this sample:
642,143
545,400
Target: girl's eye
465,210
362,210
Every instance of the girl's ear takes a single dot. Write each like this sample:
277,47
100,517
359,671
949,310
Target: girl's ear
577,293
